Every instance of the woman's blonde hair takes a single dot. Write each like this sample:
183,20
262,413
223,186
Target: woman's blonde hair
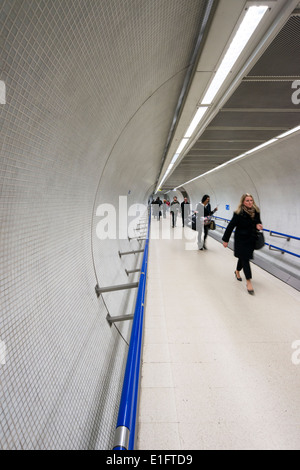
241,203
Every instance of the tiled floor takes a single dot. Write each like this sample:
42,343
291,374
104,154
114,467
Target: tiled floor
218,367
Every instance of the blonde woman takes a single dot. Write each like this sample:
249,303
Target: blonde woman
246,220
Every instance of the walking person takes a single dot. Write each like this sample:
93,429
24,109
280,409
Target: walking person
159,202
200,224
207,213
246,221
164,208
156,208
185,210
174,209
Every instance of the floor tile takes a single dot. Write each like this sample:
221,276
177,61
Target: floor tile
219,369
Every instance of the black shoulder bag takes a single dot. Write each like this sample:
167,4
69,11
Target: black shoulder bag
259,240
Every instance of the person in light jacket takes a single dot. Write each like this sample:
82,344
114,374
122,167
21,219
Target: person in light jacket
200,224
246,221
174,209
164,208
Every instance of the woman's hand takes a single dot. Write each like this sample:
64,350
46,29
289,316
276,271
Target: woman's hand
225,244
259,226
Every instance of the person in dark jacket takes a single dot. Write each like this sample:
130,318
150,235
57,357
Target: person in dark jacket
156,208
207,213
246,221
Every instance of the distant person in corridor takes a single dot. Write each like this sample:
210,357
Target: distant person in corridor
156,208
207,213
185,210
246,220
200,224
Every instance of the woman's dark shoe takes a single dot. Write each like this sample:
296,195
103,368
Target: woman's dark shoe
249,289
238,278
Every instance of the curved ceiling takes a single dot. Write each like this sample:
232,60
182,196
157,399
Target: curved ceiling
116,83
255,102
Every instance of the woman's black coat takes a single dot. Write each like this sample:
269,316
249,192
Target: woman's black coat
244,235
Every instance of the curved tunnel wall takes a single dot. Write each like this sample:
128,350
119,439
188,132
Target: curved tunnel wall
73,138
271,176
89,103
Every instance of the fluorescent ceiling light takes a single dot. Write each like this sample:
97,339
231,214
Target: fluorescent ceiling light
250,22
234,159
165,175
176,155
197,118
182,145
252,18
261,146
289,132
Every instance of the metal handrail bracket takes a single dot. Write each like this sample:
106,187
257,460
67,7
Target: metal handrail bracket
130,271
101,290
112,320
133,252
137,238
281,250
279,235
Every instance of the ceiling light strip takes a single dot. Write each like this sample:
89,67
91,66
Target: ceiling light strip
265,144
247,27
251,20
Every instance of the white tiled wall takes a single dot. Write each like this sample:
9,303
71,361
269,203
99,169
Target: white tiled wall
91,89
60,384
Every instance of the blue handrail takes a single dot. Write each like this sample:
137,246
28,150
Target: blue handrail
126,422
277,248
271,233
281,234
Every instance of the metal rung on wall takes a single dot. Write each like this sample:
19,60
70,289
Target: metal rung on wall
100,290
274,248
138,237
129,271
112,320
279,235
130,252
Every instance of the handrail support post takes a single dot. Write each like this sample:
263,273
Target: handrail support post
101,290
133,252
277,235
112,320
